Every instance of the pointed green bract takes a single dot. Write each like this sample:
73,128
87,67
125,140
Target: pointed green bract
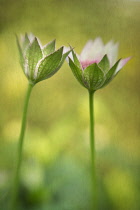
77,72
104,64
33,55
21,58
49,48
111,74
94,77
48,64
59,66
76,61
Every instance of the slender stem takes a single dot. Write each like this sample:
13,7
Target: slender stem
92,146
15,188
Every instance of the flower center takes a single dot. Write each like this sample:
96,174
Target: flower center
86,63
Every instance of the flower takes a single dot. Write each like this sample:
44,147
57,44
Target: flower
96,66
39,62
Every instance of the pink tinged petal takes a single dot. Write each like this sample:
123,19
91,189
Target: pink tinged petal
122,63
86,63
93,50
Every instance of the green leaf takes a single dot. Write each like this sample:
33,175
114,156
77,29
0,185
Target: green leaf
48,65
63,58
59,66
94,77
49,48
104,64
33,55
76,61
78,73
21,57
111,73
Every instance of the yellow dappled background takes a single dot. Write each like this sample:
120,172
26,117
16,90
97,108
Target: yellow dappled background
55,169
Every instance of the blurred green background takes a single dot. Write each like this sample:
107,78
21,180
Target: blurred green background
56,165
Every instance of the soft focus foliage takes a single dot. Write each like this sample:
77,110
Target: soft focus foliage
55,170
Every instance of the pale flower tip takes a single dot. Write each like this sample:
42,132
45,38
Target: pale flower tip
66,49
70,48
116,45
98,38
122,63
99,41
31,37
91,42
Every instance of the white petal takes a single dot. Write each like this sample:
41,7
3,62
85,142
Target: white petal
122,63
65,50
111,50
31,37
93,50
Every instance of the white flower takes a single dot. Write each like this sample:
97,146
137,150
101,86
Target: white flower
96,66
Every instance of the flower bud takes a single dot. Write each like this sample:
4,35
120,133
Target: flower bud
96,66
39,62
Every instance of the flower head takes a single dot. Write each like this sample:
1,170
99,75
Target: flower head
96,66
39,62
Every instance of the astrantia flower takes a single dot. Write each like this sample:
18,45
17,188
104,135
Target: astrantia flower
39,62
96,66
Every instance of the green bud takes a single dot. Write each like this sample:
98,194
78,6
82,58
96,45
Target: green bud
39,62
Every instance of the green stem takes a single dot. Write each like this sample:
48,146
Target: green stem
92,146
15,189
